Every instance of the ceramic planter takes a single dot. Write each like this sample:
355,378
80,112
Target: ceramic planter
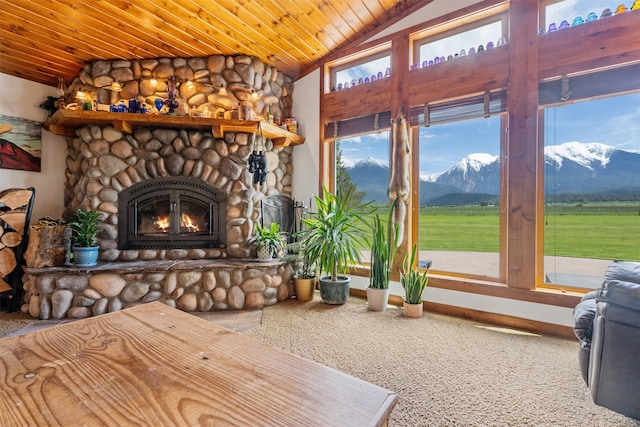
412,310
85,257
305,289
334,293
377,298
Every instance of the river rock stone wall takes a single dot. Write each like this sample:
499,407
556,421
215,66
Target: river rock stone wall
240,75
102,161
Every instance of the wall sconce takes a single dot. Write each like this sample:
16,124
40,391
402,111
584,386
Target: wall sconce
222,91
153,83
115,86
254,95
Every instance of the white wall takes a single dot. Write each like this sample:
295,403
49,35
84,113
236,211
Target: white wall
21,98
306,157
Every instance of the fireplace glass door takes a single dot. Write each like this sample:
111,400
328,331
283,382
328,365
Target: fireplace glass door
171,214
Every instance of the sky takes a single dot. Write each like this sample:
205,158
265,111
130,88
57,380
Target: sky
613,121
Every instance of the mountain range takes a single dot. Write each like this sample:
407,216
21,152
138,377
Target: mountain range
570,168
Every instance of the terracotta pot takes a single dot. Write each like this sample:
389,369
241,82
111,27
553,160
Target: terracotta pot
305,289
412,310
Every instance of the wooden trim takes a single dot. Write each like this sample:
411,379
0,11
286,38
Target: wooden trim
528,325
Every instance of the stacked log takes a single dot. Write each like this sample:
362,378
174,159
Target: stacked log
13,215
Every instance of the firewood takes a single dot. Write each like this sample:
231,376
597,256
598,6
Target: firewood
11,239
4,286
49,246
15,199
7,262
16,220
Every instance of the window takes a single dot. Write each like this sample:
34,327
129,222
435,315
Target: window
364,67
362,163
462,41
591,188
562,14
459,223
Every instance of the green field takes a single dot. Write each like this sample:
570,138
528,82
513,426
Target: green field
600,231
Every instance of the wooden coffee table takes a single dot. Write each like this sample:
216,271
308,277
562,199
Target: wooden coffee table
153,365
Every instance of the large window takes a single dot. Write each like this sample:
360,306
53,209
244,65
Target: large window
459,220
362,165
591,188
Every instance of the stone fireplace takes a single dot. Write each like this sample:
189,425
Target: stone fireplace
178,203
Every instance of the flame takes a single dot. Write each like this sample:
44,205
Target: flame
187,224
162,223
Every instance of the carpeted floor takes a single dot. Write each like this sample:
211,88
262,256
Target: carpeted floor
446,371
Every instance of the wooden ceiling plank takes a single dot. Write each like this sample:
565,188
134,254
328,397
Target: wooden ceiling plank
28,55
27,72
15,45
260,46
132,28
311,17
285,36
41,31
53,27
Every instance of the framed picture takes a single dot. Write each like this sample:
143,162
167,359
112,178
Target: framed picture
20,144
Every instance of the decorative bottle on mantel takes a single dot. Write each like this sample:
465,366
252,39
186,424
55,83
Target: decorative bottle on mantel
245,111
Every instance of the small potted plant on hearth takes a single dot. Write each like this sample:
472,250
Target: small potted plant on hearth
269,241
83,238
304,277
414,283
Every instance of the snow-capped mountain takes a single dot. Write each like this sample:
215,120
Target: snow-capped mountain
571,167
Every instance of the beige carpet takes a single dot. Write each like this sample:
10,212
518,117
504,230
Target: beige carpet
446,371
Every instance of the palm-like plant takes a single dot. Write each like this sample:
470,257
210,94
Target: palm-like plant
334,233
383,248
413,281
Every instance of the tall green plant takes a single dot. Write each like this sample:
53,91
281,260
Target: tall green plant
413,281
334,233
383,248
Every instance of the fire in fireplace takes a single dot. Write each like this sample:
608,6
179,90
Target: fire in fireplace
171,213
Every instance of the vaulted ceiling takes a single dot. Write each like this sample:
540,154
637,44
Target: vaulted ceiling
43,39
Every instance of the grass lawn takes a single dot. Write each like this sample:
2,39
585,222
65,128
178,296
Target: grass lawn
606,232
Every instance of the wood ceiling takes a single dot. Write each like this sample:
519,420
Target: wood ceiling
43,39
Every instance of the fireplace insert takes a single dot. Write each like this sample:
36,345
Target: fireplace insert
171,213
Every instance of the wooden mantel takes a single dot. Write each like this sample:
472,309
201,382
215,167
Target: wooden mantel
64,122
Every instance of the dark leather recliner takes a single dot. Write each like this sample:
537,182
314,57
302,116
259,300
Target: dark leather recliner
607,323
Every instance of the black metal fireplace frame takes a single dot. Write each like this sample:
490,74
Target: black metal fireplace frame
175,188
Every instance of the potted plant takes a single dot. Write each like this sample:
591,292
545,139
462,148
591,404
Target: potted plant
304,277
268,241
384,244
332,238
414,282
83,238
